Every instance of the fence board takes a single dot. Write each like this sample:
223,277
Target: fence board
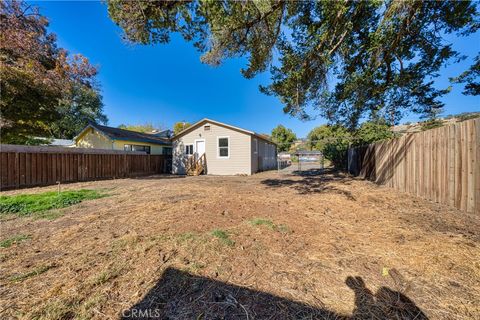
441,165
27,166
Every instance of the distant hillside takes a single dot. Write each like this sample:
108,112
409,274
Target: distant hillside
425,125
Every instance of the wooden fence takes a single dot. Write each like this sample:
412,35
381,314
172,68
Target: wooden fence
25,166
442,165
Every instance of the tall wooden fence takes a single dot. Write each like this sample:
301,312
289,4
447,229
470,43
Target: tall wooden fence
441,165
25,166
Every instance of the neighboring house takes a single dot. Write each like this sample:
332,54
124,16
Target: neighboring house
103,137
226,150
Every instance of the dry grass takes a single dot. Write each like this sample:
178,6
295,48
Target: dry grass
265,246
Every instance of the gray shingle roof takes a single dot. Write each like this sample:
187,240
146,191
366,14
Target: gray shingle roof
122,134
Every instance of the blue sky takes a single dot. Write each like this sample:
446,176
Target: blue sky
164,84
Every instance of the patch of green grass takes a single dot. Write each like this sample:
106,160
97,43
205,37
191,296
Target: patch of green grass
194,267
268,223
106,276
223,237
262,222
87,309
28,204
35,272
187,236
64,308
48,215
14,240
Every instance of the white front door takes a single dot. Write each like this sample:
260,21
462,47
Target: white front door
199,148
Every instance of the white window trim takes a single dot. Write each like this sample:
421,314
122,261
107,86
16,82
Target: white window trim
218,147
255,150
193,147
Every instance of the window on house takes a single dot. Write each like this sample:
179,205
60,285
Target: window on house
206,128
134,147
255,145
167,151
189,149
223,147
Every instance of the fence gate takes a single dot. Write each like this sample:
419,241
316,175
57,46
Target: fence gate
309,161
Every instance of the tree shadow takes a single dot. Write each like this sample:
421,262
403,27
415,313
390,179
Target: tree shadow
312,181
379,161
180,295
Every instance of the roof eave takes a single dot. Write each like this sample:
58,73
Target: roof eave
163,143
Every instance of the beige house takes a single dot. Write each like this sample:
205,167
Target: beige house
109,138
217,148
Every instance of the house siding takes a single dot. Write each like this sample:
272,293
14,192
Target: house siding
97,140
154,149
238,162
94,139
266,156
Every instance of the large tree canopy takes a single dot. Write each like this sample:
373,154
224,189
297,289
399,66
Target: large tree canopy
44,91
347,59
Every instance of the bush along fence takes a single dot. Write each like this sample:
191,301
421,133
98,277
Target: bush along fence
28,166
442,165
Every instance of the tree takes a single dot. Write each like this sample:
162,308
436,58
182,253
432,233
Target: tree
145,127
471,77
79,107
372,131
347,59
283,137
333,141
180,126
44,90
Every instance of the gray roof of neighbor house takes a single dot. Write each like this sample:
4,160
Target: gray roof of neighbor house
122,134
204,120
55,142
62,142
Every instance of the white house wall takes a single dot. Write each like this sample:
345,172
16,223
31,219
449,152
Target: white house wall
238,162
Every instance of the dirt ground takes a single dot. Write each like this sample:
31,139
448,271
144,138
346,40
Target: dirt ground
328,247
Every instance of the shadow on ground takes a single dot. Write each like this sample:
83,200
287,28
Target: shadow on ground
180,295
312,181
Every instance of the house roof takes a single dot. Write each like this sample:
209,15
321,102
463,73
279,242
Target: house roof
205,120
61,142
122,134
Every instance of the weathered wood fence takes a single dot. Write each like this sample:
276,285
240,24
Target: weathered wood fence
28,166
441,165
